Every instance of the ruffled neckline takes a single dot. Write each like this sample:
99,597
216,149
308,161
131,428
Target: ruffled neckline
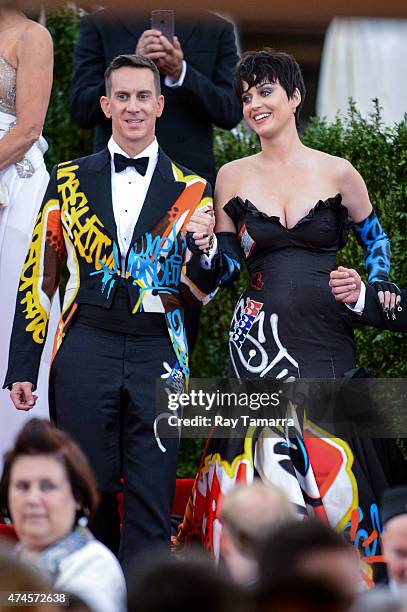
247,205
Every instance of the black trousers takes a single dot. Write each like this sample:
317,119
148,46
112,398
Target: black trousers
102,393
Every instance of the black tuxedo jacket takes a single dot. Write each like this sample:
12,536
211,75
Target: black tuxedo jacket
76,223
205,98
374,315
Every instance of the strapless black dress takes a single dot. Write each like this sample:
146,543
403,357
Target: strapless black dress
299,330
287,325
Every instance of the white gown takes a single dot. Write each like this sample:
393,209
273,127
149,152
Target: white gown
22,187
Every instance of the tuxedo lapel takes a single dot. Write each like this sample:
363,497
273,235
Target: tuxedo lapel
161,195
97,186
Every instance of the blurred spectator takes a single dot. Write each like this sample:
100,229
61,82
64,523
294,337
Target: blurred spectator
296,593
378,599
17,576
46,485
247,514
394,536
183,585
310,549
196,71
76,604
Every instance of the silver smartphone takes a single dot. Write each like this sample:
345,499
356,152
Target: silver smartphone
163,21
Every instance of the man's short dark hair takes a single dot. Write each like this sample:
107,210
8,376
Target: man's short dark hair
131,61
286,547
270,66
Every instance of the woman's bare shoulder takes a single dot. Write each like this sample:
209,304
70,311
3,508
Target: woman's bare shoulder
235,167
33,33
330,165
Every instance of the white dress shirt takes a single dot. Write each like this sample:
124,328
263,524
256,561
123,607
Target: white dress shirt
174,84
129,190
359,307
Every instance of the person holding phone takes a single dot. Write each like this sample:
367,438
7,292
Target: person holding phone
196,68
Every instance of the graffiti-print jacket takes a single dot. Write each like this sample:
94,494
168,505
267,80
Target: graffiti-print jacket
76,224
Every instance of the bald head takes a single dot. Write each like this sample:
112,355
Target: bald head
250,511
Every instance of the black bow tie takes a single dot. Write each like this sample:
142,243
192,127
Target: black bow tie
121,163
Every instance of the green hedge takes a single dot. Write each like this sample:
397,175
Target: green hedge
378,153
66,141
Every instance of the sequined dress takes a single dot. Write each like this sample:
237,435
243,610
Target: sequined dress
22,186
7,87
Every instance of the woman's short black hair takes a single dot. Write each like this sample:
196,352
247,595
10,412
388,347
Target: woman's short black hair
270,66
40,437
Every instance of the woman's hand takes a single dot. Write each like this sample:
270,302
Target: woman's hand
200,229
389,296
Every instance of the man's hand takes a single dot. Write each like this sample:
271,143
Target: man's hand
345,284
167,57
201,225
171,64
149,45
22,396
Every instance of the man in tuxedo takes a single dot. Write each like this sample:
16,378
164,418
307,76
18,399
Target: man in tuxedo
383,310
196,71
120,219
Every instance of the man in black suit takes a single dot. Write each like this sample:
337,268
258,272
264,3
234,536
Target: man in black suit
196,70
119,218
384,311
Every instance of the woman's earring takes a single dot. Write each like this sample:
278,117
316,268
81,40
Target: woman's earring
83,520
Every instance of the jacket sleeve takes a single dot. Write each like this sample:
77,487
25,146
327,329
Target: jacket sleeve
38,284
373,312
200,283
214,97
88,76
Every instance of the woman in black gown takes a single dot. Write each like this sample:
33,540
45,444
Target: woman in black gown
287,211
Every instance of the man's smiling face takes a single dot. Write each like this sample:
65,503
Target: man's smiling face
133,106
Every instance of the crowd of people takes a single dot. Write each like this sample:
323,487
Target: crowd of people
270,559
144,247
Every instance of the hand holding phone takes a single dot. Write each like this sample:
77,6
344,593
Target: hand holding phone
161,46
164,22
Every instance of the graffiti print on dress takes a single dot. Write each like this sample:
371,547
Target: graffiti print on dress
256,281
244,322
246,241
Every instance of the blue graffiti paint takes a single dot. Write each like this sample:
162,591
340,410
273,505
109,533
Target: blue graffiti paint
157,262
